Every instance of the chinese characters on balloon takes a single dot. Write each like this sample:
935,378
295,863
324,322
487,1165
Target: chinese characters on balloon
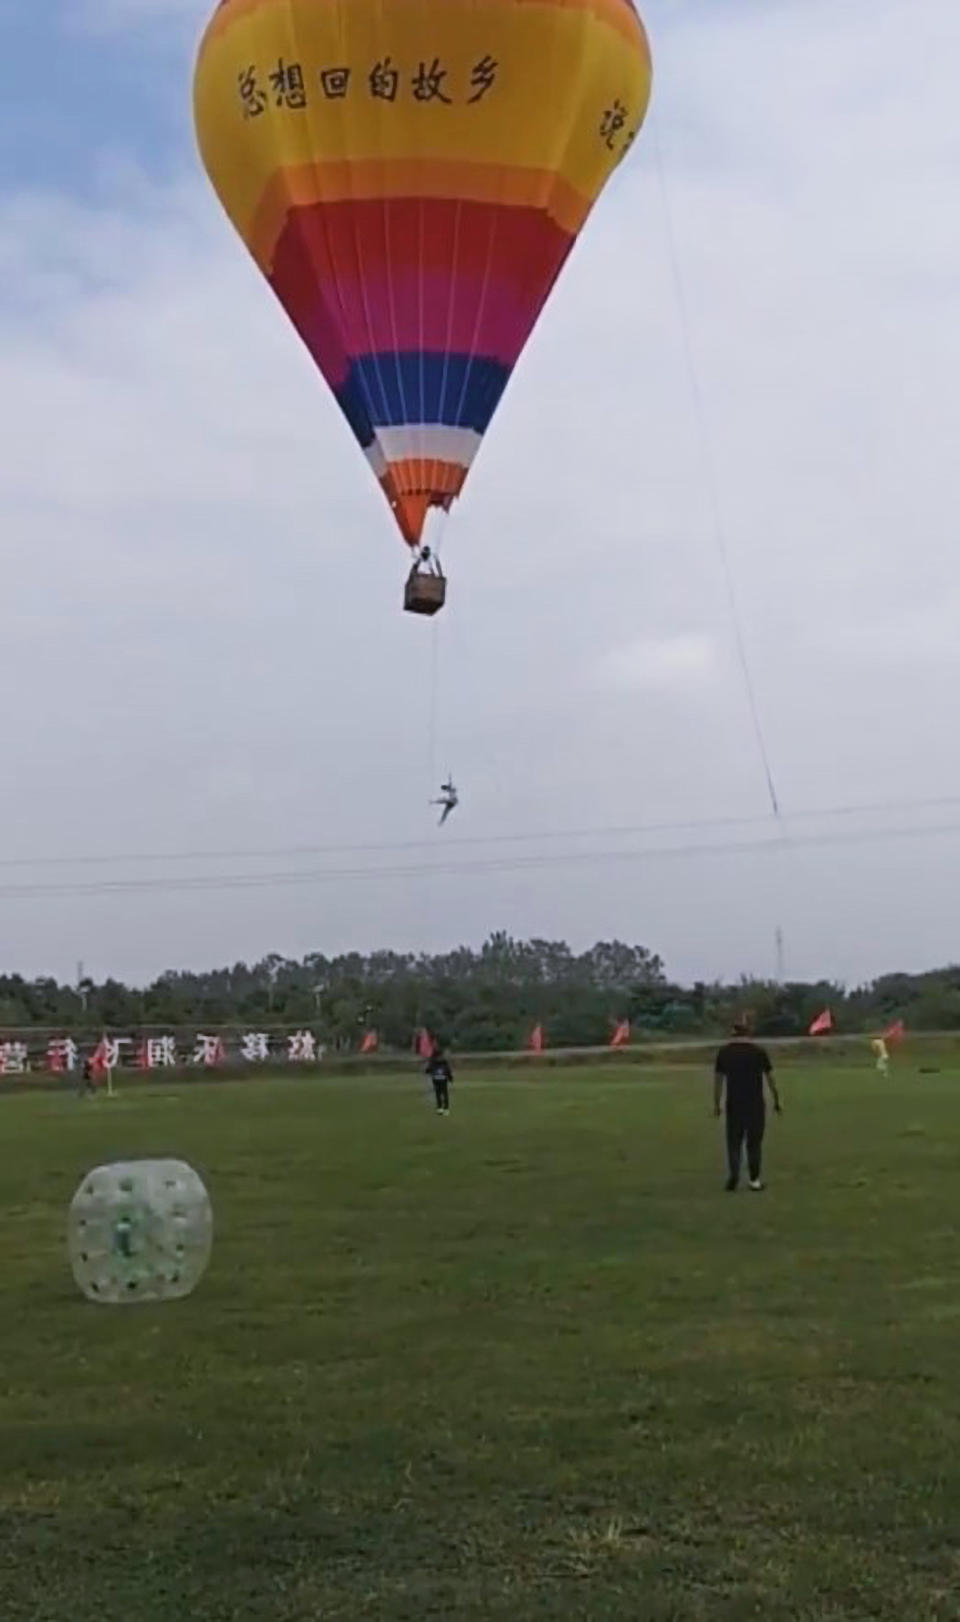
288,85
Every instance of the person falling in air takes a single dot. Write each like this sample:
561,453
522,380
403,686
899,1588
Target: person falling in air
449,800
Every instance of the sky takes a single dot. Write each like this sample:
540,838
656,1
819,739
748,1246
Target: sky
725,465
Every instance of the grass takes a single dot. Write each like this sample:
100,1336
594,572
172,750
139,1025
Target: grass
527,1362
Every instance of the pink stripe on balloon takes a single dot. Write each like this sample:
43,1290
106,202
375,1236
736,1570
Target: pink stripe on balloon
406,312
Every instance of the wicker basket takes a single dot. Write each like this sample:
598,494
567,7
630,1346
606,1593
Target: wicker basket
424,593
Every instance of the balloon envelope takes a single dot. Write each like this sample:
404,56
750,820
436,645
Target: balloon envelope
410,176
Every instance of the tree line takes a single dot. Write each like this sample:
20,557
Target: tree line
478,1000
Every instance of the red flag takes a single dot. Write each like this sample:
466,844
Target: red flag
895,1032
98,1060
425,1044
621,1036
536,1039
370,1043
822,1025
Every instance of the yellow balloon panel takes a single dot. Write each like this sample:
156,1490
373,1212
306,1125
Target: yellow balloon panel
510,83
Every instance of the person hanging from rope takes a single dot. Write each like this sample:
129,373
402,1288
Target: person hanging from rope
449,800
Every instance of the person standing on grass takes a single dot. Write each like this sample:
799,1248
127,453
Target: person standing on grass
440,1073
740,1070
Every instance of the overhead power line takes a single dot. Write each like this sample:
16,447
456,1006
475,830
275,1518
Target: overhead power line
467,842
207,883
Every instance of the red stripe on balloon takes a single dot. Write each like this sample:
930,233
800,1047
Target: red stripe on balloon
363,277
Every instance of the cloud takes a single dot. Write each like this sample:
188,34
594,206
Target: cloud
202,582
682,660
107,16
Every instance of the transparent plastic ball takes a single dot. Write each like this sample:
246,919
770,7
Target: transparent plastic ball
140,1230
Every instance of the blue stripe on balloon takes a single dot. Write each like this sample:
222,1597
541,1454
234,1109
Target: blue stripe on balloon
353,402
407,388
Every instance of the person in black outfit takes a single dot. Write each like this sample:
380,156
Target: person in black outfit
740,1069
440,1073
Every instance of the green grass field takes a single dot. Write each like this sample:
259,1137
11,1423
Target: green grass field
526,1362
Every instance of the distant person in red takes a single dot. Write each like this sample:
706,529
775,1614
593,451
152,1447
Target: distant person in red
740,1070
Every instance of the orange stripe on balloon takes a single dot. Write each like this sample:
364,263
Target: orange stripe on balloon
445,478
410,512
414,486
309,184
617,14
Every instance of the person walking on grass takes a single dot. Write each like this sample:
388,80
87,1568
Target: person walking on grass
740,1070
440,1073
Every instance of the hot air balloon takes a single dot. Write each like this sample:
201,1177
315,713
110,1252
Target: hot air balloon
410,179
